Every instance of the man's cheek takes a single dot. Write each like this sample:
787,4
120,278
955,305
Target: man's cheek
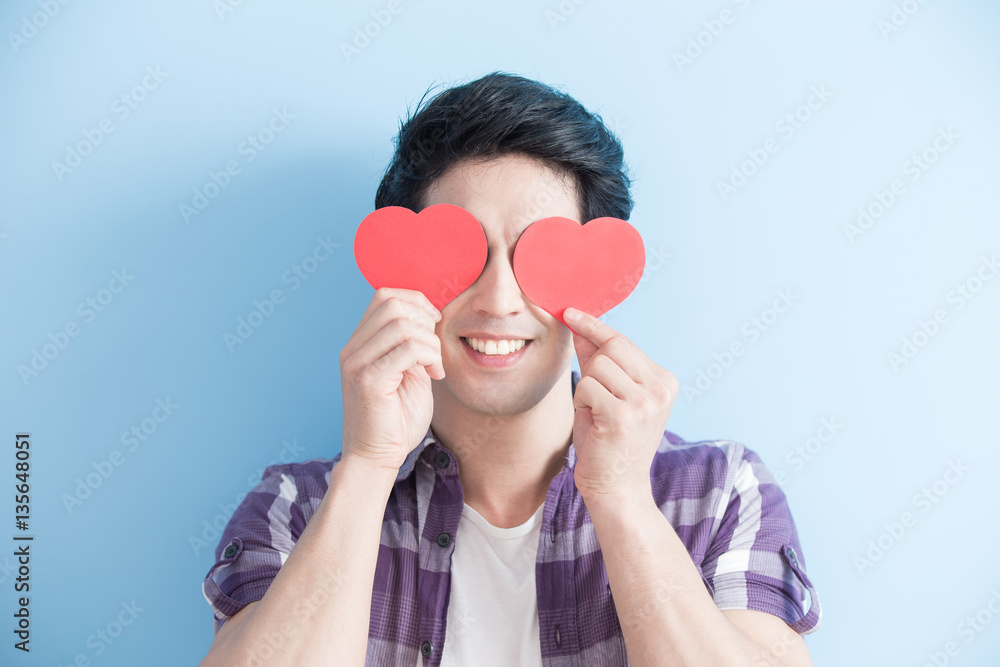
566,345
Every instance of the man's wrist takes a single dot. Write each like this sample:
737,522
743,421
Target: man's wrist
622,504
363,474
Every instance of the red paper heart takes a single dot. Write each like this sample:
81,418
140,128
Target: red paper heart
440,251
560,263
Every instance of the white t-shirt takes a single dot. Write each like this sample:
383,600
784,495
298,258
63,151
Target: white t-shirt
493,609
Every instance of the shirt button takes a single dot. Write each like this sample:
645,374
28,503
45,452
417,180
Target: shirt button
790,552
444,539
426,649
442,460
230,551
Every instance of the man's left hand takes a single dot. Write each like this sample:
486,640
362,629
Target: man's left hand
623,401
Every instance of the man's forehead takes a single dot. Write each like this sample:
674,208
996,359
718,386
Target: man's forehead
506,194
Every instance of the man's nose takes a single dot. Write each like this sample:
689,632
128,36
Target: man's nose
496,292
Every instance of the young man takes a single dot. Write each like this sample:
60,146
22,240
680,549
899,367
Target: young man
490,505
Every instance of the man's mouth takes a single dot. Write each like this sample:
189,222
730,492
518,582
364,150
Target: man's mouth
492,347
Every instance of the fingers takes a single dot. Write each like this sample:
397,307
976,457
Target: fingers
397,328
611,376
402,358
387,305
389,295
594,337
400,339
588,326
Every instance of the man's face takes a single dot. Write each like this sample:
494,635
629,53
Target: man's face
506,195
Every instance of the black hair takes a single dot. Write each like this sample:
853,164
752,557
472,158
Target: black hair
501,114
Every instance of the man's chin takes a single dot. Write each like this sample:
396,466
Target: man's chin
512,395
487,396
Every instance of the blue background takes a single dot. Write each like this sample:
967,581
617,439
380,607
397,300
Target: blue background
685,127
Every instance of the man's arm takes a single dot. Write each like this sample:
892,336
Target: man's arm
666,613
317,607
622,401
325,583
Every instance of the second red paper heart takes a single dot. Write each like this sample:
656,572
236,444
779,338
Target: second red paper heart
560,263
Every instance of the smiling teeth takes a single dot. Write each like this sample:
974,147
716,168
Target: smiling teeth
493,347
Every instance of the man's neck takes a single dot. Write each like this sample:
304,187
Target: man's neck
506,462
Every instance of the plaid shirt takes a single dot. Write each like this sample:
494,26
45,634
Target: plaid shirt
724,505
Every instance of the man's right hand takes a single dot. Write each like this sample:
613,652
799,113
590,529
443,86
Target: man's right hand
385,375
